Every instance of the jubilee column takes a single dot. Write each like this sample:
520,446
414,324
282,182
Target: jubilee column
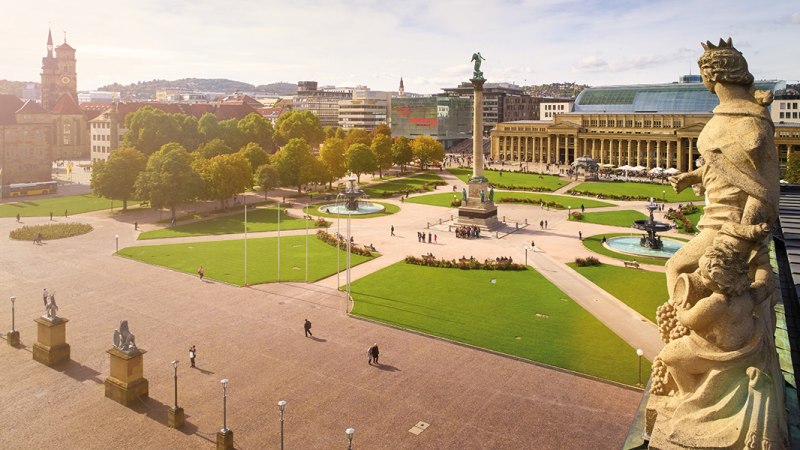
477,203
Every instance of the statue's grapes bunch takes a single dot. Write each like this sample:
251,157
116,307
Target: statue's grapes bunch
668,325
658,385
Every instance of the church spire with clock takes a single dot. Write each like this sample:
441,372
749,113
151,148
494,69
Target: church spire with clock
59,76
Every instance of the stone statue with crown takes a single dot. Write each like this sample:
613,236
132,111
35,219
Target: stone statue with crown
717,382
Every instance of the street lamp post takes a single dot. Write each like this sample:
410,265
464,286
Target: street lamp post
224,382
306,219
13,325
116,239
526,255
639,353
349,433
12,337
282,406
175,418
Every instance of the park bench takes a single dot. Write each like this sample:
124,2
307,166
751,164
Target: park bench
633,264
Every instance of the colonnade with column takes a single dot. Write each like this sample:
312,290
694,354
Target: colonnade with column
674,151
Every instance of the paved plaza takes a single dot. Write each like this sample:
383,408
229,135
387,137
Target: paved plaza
254,337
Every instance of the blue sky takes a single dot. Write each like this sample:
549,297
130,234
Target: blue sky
373,43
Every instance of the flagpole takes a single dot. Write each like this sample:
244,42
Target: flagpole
245,240
306,242
279,241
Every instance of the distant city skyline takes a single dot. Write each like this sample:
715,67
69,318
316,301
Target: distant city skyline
372,43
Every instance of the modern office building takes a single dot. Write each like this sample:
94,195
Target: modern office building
502,102
447,119
324,102
550,107
651,126
367,109
786,107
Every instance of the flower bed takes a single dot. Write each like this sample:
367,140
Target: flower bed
332,240
50,231
463,263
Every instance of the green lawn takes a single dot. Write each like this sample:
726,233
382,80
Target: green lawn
595,244
73,204
613,218
261,219
393,187
642,290
519,179
522,314
389,210
563,201
224,260
634,189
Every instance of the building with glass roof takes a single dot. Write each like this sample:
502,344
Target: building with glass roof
640,125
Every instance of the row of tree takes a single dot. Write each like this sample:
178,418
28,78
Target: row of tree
172,175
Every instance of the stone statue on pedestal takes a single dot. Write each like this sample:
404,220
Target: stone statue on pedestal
51,309
717,382
124,340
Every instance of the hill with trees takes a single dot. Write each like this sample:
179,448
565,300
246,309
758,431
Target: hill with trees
9,87
556,90
147,89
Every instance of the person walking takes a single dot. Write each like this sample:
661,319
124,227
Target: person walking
65,214
392,230
51,216
435,239
192,355
541,224
17,217
373,354
201,272
580,235
136,226
307,328
429,238
545,224
582,208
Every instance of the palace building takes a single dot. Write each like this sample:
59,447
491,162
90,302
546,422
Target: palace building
649,125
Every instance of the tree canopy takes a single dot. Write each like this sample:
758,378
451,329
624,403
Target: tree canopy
150,128
225,176
214,147
169,179
427,150
256,129
298,124
402,154
382,148
793,168
291,161
360,159
255,154
267,177
357,136
116,177
332,155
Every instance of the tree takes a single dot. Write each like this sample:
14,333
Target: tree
402,153
315,171
382,129
793,168
357,136
116,177
334,132
291,161
169,179
267,177
208,127
214,147
332,155
225,176
255,154
360,159
149,129
231,134
256,129
382,148
298,124
427,150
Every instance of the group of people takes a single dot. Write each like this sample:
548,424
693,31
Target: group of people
543,224
503,260
468,232
432,238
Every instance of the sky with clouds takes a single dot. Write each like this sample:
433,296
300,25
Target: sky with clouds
375,42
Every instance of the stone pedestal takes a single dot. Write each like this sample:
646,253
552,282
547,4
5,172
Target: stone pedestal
176,418
51,346
127,382
12,337
225,440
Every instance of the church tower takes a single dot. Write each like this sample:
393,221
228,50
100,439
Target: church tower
59,74
402,91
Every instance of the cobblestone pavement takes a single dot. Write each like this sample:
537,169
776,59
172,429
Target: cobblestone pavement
254,337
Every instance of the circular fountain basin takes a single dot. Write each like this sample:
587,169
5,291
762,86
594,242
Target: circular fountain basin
363,208
655,226
630,245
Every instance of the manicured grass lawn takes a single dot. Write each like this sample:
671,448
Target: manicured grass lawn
42,207
445,198
401,184
642,290
595,244
224,260
613,218
634,189
520,179
262,219
522,314
389,210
